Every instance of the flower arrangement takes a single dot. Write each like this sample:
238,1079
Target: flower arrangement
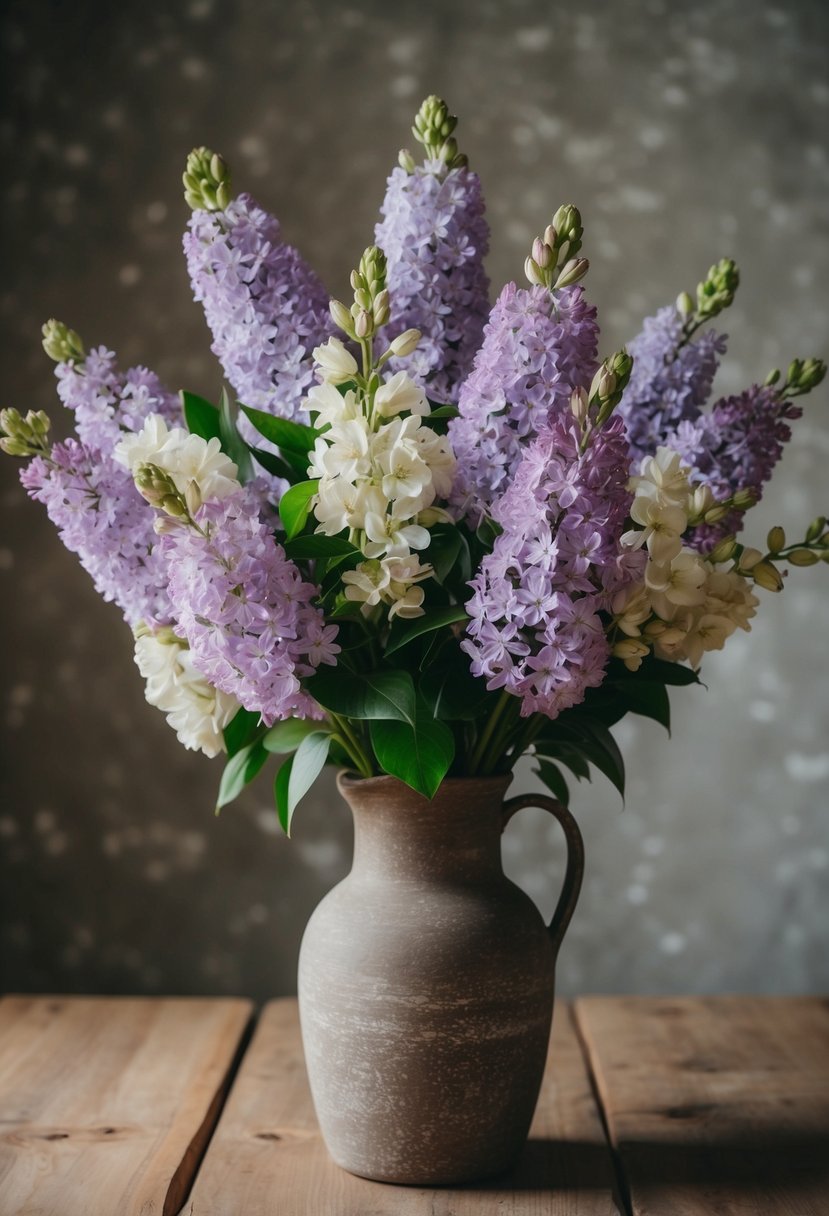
424,536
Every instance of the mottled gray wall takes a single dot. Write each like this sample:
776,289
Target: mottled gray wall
684,132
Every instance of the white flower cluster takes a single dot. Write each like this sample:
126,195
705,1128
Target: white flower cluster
685,605
198,467
379,475
197,712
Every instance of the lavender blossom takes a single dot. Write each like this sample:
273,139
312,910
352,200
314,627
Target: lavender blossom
535,627
435,238
101,516
244,610
107,402
265,307
537,348
670,382
735,447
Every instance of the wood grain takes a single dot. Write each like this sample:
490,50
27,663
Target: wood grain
267,1155
106,1103
716,1105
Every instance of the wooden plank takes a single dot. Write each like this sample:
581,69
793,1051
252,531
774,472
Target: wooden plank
267,1155
106,1103
715,1104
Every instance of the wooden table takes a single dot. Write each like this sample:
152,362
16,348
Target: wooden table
142,1107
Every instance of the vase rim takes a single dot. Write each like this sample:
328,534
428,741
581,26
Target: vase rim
347,779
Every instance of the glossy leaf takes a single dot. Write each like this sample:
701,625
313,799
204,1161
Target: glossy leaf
293,439
451,690
433,618
379,694
240,771
553,778
274,464
308,761
295,507
649,700
233,445
285,737
418,754
201,417
444,549
569,754
316,545
241,729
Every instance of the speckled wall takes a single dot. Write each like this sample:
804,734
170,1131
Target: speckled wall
684,132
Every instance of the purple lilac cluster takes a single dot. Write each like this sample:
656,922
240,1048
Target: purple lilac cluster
535,628
537,348
265,307
670,383
735,447
101,516
244,610
435,238
106,401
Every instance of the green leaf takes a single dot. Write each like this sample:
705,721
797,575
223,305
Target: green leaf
444,549
488,532
553,778
451,690
201,417
240,771
307,764
568,754
379,694
293,439
442,411
280,793
661,671
433,618
649,700
295,507
286,736
418,754
603,751
233,444
317,545
241,729
274,464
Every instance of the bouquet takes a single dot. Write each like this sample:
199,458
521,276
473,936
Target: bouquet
421,536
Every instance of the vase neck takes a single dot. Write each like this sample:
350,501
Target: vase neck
398,834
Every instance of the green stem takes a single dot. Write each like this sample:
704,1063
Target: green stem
353,745
480,751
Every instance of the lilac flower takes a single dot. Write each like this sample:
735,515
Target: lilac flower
107,402
535,628
101,516
435,238
537,348
669,384
735,447
265,307
244,610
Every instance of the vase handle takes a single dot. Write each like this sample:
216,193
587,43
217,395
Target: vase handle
574,873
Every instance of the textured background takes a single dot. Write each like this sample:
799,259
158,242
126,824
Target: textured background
684,133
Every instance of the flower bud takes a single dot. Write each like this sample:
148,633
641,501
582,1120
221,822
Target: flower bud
550,236
15,447
714,514
815,528
405,160
568,225
803,557
39,422
405,343
572,272
542,254
341,316
749,559
62,343
776,540
206,181
744,499
724,551
192,497
684,304
533,272
363,325
772,378
767,576
578,405
717,291
381,308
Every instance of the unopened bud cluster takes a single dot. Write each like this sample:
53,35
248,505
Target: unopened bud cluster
206,181
552,262
370,309
160,491
434,127
714,294
62,343
24,436
592,407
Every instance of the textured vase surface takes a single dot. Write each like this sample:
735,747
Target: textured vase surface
426,983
